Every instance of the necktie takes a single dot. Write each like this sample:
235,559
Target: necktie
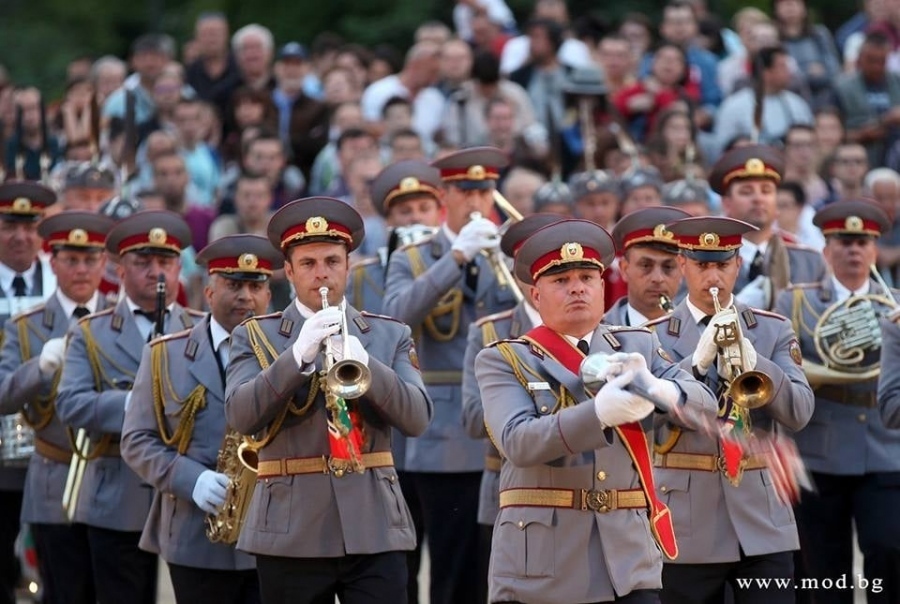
19,287
150,316
705,320
583,346
756,267
80,312
472,276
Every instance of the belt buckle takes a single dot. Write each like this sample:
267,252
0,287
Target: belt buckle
596,500
734,480
338,467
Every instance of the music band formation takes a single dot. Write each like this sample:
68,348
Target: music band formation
732,417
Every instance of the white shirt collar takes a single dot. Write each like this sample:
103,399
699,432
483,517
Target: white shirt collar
698,314
219,334
69,305
451,236
533,315
7,275
635,318
133,307
307,312
748,250
841,292
588,337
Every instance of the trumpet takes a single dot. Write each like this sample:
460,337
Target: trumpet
747,388
500,268
665,303
347,378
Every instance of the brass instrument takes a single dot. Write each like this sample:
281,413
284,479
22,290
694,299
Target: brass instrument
748,388
347,378
412,233
499,266
588,131
238,460
75,476
665,303
848,338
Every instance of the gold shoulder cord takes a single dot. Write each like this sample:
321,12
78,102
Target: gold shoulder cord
797,322
43,406
451,302
263,350
162,387
489,333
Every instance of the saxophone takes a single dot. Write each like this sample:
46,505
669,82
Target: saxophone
237,464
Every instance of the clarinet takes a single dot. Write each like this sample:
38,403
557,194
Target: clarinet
160,326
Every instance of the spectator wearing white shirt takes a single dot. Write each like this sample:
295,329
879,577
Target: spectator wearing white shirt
572,52
464,10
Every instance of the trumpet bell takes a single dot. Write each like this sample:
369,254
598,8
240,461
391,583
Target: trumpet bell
752,390
348,379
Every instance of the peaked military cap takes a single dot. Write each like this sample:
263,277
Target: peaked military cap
316,219
638,177
750,162
583,184
24,200
85,175
647,226
857,217
709,238
240,257
553,192
685,191
475,168
403,179
151,232
562,246
76,230
518,232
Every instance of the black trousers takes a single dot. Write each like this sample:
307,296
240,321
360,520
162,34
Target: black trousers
123,573
641,596
64,562
706,583
826,519
196,585
10,510
413,558
355,579
485,539
450,506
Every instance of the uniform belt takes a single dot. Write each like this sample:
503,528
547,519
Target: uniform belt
492,464
577,499
52,452
292,466
843,394
703,462
442,378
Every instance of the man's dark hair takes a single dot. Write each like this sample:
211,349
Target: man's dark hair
680,4
553,30
326,42
796,189
794,128
160,43
765,58
394,101
878,39
352,134
404,133
485,67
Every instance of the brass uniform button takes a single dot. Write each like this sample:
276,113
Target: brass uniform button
338,473
544,409
601,475
521,524
862,418
664,488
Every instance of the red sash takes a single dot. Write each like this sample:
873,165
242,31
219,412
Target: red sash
631,435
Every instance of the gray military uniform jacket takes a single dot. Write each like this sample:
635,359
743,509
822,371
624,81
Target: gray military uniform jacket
112,496
841,438
715,521
507,324
23,388
44,284
411,297
889,380
806,265
545,555
325,515
176,527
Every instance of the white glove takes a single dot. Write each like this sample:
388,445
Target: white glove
52,356
324,323
757,293
357,351
209,491
479,234
615,406
665,391
707,350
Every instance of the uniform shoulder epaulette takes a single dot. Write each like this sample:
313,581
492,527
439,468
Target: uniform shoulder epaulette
768,313
360,264
508,341
27,313
656,321
619,328
801,247
373,315
171,336
497,316
195,313
810,285
98,314
272,315
418,243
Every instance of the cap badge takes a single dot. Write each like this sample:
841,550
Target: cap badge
661,232
571,252
77,237
316,225
475,173
591,184
709,240
248,261
854,224
21,204
410,183
755,166
158,236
